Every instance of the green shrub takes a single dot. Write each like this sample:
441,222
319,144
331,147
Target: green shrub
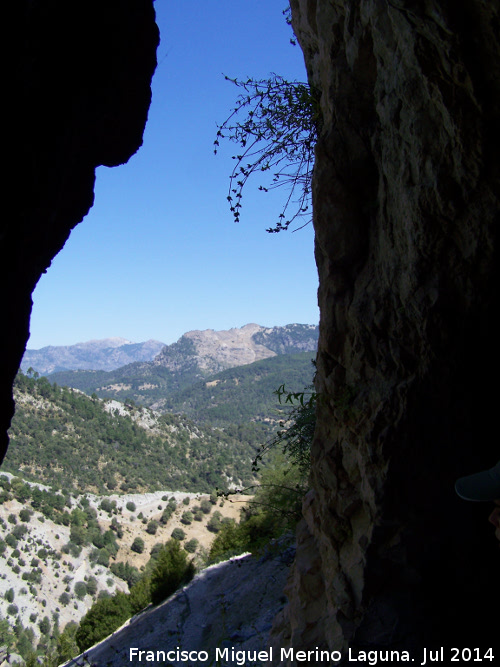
140,595
214,525
91,586
11,540
191,545
206,506
67,647
152,527
187,518
64,599
138,545
131,506
178,534
44,625
125,571
103,618
81,589
19,531
25,515
171,570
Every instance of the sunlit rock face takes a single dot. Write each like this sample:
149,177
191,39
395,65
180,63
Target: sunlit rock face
406,208
82,74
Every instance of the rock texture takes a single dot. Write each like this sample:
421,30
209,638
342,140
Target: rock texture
214,351
406,210
227,606
82,75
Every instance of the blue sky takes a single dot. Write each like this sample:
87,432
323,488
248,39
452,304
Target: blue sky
159,253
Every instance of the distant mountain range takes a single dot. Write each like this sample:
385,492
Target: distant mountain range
106,355
196,356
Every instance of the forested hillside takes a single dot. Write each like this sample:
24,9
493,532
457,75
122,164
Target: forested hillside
200,356
244,393
73,441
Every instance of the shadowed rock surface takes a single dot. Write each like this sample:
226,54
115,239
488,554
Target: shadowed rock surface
406,211
82,76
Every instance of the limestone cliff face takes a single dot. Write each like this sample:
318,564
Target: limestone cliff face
406,208
81,94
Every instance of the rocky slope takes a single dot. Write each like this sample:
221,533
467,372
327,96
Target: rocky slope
226,611
214,351
38,570
106,354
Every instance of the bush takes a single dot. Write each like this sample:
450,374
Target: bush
131,506
191,545
81,589
152,527
214,525
91,586
19,531
206,506
64,599
140,595
178,534
25,515
72,548
138,545
44,625
171,570
125,571
11,540
187,518
103,618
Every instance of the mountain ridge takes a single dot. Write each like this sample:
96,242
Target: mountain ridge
197,355
104,354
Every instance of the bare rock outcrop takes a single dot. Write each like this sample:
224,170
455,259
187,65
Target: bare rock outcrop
406,210
81,94
226,612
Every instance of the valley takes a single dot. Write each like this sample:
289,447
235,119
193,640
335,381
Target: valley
106,466
50,569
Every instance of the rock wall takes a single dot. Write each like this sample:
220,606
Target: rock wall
406,210
79,99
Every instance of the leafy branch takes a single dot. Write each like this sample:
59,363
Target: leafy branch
295,436
277,134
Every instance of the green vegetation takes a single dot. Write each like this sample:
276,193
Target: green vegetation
178,534
138,545
276,136
164,573
273,511
158,379
276,505
246,391
171,570
295,435
63,437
